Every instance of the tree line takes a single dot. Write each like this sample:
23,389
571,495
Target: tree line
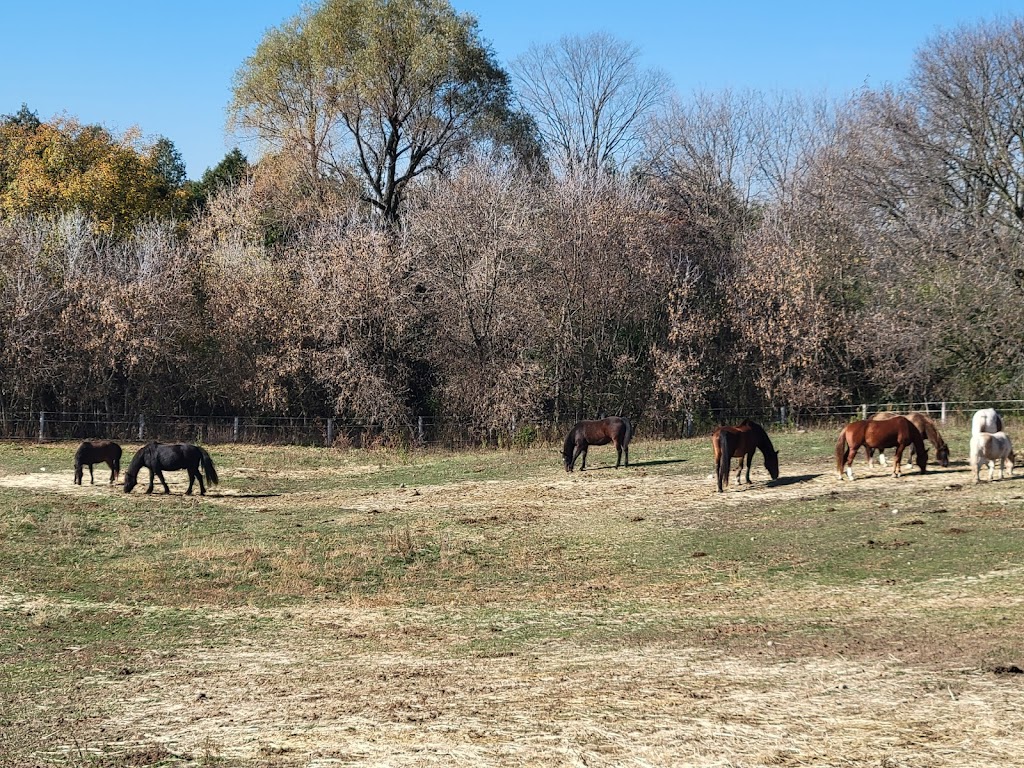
429,234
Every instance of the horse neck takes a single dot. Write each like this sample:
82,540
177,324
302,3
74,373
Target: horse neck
761,439
138,461
932,434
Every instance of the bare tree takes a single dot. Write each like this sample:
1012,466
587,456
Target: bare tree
590,99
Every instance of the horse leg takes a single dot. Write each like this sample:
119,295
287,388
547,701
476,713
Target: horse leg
151,474
199,477
897,462
750,460
618,454
91,479
851,454
991,469
582,452
160,474
191,480
113,473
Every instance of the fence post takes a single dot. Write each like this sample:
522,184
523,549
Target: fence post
419,429
42,425
782,414
234,431
863,411
942,418
330,432
142,426
689,424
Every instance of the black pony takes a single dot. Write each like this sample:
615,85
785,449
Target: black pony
613,429
170,456
93,452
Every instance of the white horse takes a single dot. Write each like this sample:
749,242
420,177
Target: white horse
986,420
992,447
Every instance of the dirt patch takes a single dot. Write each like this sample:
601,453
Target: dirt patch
318,696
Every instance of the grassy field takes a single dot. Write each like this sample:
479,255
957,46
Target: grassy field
326,608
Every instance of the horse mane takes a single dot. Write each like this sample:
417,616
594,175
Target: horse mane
762,435
932,433
139,459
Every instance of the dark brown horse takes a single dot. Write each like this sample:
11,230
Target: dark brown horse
927,429
897,432
613,429
741,442
170,456
94,452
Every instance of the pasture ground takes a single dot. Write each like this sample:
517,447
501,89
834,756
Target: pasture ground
387,608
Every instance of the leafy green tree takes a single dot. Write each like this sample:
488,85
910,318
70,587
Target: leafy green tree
227,173
375,92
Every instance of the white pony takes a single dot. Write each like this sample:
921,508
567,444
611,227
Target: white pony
986,420
990,446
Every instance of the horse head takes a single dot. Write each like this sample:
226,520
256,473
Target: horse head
771,462
131,479
922,460
942,455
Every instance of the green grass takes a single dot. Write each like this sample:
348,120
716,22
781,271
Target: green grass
603,561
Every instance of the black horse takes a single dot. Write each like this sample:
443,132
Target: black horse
613,429
158,457
93,452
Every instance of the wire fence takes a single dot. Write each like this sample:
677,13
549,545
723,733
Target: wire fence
46,426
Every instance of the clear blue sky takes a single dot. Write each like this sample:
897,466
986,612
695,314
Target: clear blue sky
166,67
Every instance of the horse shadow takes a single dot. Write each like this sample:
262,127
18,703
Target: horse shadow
655,462
652,463
793,480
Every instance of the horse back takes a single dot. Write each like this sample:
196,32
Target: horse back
887,433
93,451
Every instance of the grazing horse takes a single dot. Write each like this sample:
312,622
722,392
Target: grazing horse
741,442
927,429
897,432
93,452
991,446
986,420
612,429
158,457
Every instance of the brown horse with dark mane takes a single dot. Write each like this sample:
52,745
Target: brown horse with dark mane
927,429
897,432
95,452
613,429
741,442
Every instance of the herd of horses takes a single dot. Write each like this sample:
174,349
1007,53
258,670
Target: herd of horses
154,456
879,432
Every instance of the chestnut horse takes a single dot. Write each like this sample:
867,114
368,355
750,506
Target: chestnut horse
897,432
93,452
613,429
741,442
927,429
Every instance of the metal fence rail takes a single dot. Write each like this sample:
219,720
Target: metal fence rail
326,430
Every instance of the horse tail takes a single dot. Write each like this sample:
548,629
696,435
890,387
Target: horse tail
724,459
208,469
999,422
842,447
569,446
629,432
